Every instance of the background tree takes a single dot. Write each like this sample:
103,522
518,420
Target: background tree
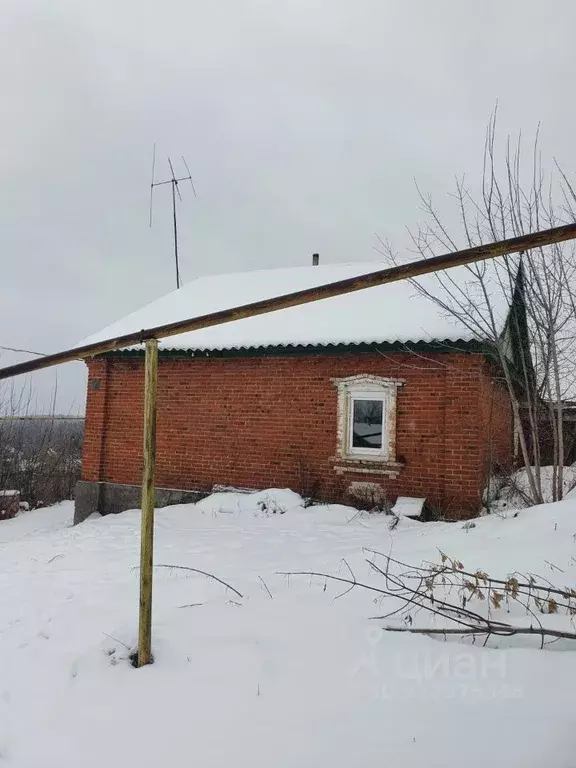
40,456
515,197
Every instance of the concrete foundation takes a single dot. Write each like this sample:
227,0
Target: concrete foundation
111,498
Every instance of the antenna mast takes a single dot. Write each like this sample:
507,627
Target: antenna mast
173,181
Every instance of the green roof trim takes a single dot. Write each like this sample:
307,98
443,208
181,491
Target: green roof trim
419,347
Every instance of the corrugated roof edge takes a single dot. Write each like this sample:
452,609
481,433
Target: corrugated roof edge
434,345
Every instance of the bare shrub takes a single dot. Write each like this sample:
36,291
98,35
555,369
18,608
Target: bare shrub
371,497
309,483
440,597
40,456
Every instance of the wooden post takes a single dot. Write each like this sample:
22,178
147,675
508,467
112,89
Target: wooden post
148,500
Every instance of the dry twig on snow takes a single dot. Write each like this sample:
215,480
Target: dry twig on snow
433,587
202,573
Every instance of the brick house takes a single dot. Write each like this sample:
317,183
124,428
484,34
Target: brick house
381,386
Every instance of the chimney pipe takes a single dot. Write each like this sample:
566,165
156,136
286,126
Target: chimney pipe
315,259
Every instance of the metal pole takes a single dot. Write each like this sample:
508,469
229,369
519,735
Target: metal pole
175,233
148,500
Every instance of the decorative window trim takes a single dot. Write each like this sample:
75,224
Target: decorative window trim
389,468
381,461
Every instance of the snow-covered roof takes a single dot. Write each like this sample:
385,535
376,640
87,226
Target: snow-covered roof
396,312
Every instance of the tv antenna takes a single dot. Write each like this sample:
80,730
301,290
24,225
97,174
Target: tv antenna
173,181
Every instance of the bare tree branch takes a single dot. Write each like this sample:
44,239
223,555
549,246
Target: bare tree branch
202,573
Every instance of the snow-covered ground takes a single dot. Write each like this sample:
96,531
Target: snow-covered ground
292,679
514,492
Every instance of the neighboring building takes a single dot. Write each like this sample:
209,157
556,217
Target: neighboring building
382,386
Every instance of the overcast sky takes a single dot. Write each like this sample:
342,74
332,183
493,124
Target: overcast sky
304,123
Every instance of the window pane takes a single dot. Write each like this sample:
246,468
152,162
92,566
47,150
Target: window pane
367,423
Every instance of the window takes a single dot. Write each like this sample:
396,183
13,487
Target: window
366,429
367,422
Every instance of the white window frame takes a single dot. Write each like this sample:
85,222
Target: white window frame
358,395
367,387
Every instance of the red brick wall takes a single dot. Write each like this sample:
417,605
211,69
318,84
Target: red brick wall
497,421
271,421
95,432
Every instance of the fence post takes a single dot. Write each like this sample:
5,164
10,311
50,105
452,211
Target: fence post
148,500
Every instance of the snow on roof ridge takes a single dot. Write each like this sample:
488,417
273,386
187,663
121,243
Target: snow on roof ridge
387,313
377,265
